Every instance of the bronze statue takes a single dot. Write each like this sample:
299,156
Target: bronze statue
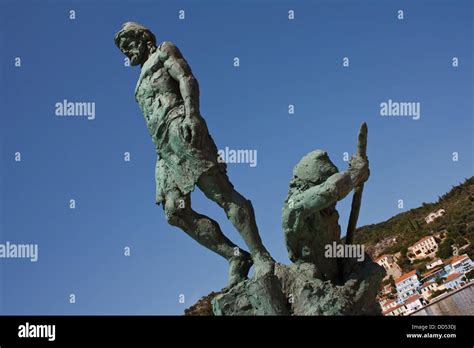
309,216
168,95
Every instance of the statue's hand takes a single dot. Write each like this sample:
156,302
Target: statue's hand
189,131
359,170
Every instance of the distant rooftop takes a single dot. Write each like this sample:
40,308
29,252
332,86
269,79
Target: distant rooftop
405,276
453,276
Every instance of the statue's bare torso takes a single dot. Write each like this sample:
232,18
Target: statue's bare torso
185,148
157,92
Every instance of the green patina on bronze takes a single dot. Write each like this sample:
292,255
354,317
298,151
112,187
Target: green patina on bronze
168,96
309,217
314,284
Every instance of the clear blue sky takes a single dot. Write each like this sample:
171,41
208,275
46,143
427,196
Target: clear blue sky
282,62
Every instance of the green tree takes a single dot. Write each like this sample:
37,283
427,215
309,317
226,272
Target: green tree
437,293
403,261
460,241
444,250
470,274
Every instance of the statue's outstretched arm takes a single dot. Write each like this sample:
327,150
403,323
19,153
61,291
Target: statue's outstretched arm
179,70
319,197
335,188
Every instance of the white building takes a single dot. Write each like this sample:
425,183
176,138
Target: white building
414,303
387,305
425,247
389,263
427,289
385,290
433,216
455,281
434,263
407,285
399,310
459,264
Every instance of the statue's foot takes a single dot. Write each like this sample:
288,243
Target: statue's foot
263,264
239,267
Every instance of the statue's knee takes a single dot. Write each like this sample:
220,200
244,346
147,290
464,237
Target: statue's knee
239,213
207,230
173,213
219,198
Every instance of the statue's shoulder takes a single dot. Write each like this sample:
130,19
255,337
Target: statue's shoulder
151,65
168,49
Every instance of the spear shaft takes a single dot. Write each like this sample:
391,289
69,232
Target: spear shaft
357,197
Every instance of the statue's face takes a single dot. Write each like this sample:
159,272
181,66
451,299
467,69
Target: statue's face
134,48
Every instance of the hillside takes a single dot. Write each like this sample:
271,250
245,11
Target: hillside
402,230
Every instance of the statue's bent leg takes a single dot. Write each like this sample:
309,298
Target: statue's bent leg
206,232
217,187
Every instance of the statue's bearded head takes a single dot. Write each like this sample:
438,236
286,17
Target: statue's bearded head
313,169
136,42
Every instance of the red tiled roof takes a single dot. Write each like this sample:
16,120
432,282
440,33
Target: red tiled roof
381,257
422,240
412,299
388,302
427,284
453,276
457,258
393,309
405,276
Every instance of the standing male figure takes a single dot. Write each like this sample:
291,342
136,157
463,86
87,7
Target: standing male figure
168,95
